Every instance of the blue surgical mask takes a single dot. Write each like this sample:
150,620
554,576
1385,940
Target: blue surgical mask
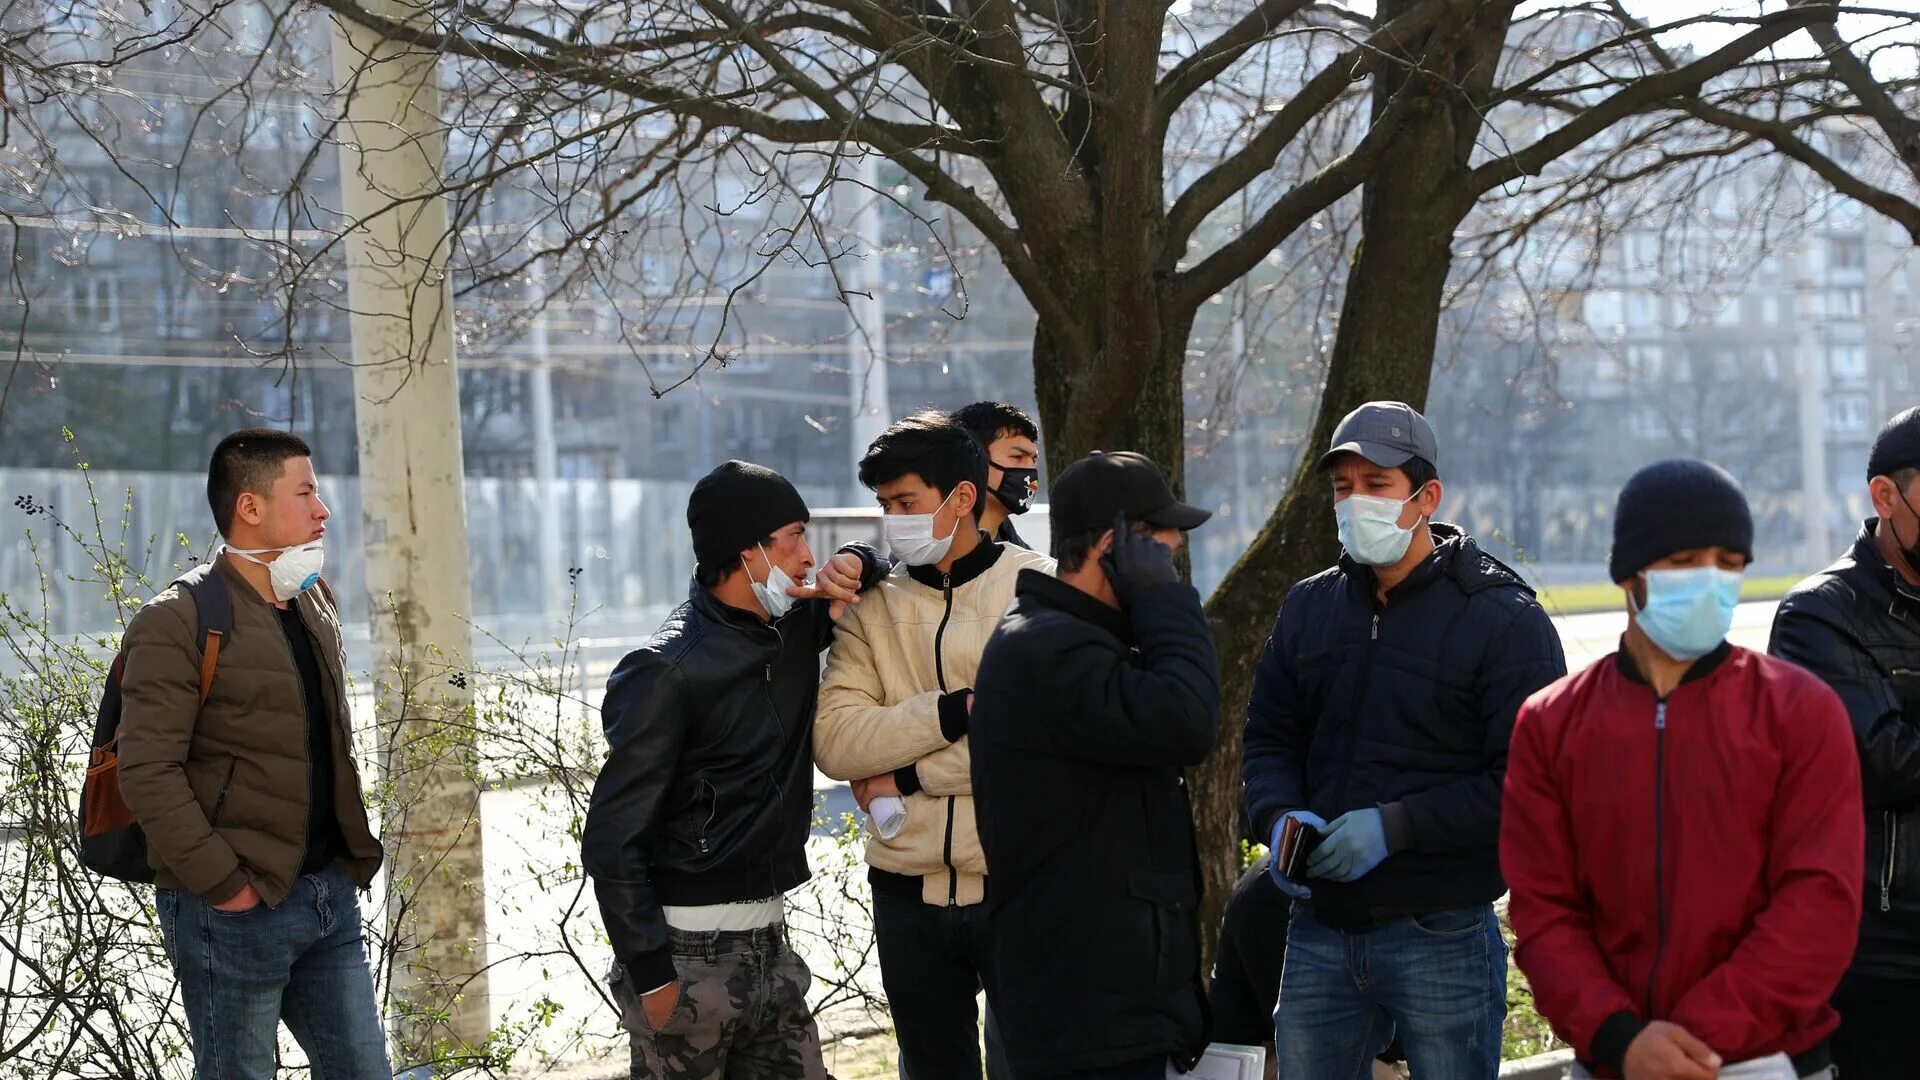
1370,528
1689,611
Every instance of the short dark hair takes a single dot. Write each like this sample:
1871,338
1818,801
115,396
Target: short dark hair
1421,472
931,446
987,421
1903,478
249,460
1070,552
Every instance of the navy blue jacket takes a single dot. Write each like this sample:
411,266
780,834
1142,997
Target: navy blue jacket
1406,707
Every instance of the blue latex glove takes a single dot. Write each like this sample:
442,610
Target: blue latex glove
1355,843
1291,888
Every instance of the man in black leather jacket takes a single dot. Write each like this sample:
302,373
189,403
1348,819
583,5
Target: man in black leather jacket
1856,624
699,819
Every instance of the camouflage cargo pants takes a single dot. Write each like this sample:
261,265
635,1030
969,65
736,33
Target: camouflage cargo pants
742,1013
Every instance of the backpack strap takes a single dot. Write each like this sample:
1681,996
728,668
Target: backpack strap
215,605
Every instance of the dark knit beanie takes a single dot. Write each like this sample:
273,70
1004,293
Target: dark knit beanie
1677,505
735,507
1897,446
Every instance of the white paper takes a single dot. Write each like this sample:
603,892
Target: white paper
889,814
1226,1061
1777,1067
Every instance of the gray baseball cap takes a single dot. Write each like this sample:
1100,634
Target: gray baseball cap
1387,433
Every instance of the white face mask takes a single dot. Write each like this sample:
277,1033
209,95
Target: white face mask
1370,528
772,593
294,572
910,536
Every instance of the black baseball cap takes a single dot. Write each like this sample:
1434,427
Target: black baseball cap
1091,491
1387,433
1897,446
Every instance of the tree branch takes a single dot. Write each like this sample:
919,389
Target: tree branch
1219,183
1643,93
1190,74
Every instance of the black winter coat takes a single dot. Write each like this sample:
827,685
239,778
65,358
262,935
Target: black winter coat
1406,707
1857,626
1083,718
706,796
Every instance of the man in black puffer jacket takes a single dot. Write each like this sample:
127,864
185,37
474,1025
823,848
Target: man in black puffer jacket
699,819
1856,625
1097,688
1380,714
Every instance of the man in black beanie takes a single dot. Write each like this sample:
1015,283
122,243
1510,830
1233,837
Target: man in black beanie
1856,625
699,819
1681,831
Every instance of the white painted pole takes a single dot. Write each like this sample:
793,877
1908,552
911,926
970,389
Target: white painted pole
546,471
866,314
411,481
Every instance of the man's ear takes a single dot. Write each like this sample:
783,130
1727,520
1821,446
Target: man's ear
966,498
1430,499
249,508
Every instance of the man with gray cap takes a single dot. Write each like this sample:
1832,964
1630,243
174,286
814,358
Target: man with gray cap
699,819
1856,625
1376,741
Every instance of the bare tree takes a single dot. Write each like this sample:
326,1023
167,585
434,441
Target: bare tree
1125,162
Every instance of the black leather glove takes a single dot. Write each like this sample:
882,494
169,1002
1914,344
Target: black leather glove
1135,561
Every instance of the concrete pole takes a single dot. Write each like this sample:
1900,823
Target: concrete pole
553,595
411,482
866,315
1811,365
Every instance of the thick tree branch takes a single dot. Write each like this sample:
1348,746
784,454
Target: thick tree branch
1326,187
1902,129
1782,137
1220,183
1646,92
1216,56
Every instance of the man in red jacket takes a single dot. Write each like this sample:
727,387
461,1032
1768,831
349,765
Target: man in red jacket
1682,830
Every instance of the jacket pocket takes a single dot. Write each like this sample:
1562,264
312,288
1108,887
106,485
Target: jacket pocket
220,800
1176,943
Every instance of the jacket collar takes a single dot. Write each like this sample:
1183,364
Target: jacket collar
1455,555
1903,599
724,614
1701,668
1050,591
965,569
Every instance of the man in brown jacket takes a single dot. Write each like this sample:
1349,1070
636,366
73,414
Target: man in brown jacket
251,803
893,719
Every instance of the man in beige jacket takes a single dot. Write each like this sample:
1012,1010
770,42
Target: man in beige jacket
892,719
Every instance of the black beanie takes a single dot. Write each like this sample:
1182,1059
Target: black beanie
1897,446
735,507
1674,506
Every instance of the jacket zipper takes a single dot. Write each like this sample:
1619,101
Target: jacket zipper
1359,699
1659,847
940,676
306,728
780,722
220,801
1886,870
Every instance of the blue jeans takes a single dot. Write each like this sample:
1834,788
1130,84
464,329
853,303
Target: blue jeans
303,962
1439,980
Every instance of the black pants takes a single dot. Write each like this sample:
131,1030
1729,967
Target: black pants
1154,1068
932,963
1876,1027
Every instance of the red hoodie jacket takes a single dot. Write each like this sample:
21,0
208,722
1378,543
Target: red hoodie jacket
1695,860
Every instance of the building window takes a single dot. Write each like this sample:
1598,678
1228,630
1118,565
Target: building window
1846,303
1646,362
1847,361
1770,310
1847,253
1646,423
1643,309
1847,413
